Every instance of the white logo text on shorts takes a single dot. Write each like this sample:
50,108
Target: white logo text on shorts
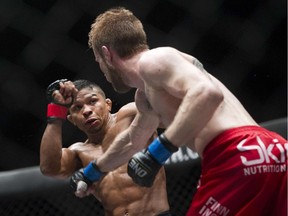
266,161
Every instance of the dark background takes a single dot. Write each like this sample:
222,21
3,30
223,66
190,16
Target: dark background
243,43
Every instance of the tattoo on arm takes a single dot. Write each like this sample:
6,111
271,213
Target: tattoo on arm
198,64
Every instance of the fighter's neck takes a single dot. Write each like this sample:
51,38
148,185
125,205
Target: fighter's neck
129,68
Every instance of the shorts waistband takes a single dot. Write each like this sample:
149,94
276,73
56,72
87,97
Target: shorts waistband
237,130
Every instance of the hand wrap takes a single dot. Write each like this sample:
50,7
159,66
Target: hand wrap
55,110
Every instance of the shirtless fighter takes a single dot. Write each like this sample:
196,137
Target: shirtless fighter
244,166
89,110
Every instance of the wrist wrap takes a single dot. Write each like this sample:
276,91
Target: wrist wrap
163,139
92,172
55,111
161,149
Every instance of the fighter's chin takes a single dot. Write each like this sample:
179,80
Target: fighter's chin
122,89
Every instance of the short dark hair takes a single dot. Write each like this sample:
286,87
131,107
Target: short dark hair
82,83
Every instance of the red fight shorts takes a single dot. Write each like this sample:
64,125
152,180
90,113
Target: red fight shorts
244,172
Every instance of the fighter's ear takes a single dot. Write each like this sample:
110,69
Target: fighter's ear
109,104
69,117
106,53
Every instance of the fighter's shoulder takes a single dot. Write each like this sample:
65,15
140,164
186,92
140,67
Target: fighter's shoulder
159,52
127,111
155,61
76,146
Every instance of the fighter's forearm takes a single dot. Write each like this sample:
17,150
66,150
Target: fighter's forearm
118,153
133,139
51,149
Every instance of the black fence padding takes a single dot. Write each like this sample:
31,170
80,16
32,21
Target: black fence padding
182,180
277,125
27,192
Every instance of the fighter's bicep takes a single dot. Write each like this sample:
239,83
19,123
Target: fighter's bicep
146,121
69,162
142,102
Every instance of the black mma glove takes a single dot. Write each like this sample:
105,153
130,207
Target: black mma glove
77,177
144,166
89,174
55,110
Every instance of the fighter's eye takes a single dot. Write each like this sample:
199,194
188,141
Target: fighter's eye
93,101
76,108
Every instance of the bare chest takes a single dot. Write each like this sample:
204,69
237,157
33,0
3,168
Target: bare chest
89,153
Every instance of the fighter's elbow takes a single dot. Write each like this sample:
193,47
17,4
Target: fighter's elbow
215,95
48,170
45,171
210,94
